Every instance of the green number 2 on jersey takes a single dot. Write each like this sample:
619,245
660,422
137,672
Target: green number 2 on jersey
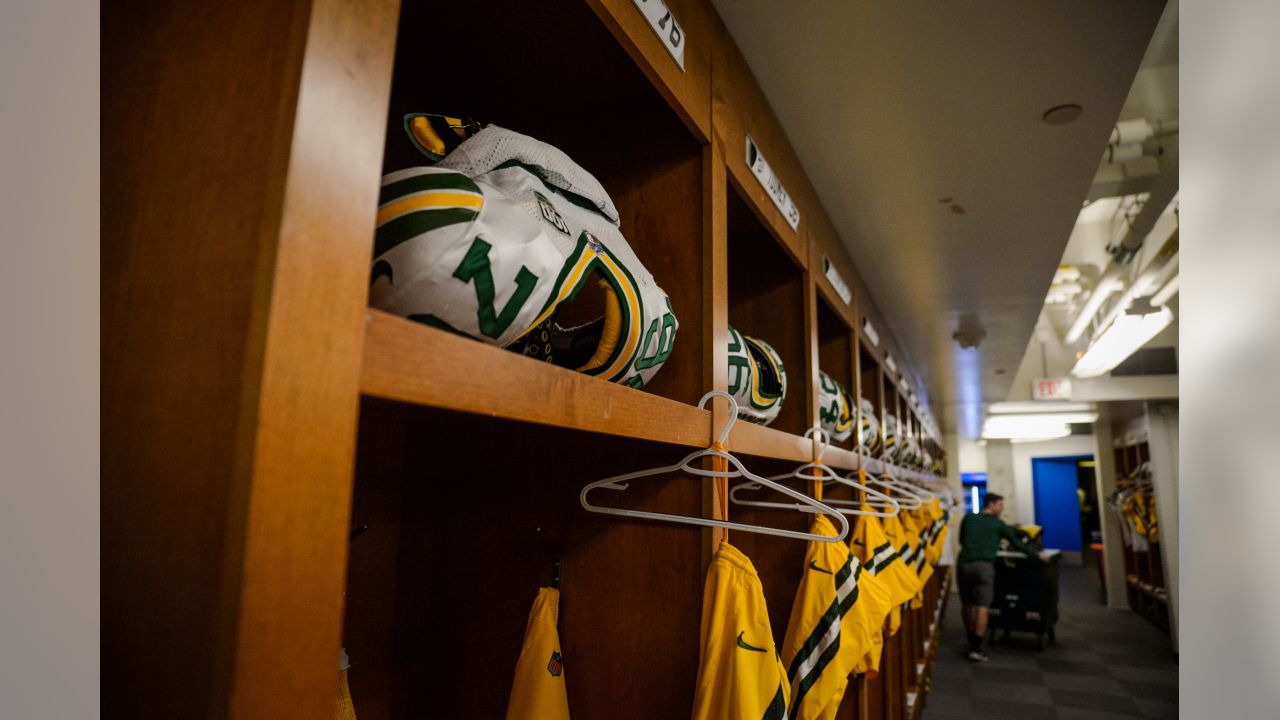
475,268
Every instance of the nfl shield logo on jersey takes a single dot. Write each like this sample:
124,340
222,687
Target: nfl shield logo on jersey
555,665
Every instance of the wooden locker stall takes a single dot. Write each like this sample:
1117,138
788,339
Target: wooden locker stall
1143,569
256,410
479,531
835,354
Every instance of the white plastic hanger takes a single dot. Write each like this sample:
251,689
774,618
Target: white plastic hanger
816,471
924,493
908,498
803,503
822,473
871,498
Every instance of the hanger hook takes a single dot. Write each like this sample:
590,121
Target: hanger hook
823,439
733,412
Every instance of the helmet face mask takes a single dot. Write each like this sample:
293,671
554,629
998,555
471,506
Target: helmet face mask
757,378
506,240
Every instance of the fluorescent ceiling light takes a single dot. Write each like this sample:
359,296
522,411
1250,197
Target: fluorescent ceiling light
1121,339
1033,426
1033,419
1065,432
1039,407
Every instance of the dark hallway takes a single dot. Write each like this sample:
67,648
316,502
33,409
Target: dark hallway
1106,664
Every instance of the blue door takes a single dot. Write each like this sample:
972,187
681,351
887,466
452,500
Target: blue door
1054,481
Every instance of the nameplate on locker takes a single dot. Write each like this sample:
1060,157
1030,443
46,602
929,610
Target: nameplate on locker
870,331
772,185
665,25
837,282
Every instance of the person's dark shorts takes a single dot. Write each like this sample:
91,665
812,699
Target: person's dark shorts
977,583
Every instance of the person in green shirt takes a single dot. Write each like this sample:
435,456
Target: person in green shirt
980,535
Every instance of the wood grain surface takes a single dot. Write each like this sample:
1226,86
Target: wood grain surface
239,185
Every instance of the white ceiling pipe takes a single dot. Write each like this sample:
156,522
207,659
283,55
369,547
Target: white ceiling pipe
1107,284
1124,153
1111,279
1165,293
1112,179
1128,152
1162,192
1157,272
1140,129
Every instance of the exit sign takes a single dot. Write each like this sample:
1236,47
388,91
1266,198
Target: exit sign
1051,389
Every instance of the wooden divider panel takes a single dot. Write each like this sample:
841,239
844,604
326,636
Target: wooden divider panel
239,187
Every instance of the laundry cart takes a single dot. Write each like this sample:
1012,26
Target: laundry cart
1026,596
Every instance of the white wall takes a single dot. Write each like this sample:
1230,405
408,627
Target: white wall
1021,507
1000,477
1112,543
972,457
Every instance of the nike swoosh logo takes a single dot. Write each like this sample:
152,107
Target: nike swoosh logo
813,566
742,644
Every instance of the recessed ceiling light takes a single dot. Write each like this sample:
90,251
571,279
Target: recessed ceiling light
1063,114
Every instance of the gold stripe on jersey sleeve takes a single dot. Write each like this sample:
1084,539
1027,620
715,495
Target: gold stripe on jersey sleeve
570,282
438,199
633,304
611,332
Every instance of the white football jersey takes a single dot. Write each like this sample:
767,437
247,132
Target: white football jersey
835,413
492,239
757,379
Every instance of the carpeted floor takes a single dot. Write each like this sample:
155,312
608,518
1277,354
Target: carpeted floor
1106,664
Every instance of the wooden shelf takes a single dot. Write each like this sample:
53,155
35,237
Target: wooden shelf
762,441
409,362
412,363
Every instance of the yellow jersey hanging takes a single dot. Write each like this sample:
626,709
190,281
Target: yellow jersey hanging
886,584
937,531
740,676
538,692
914,523
828,632
897,535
